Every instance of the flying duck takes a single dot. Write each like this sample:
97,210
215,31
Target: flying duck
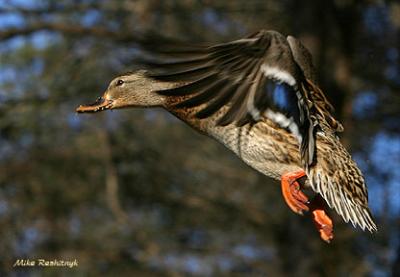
259,97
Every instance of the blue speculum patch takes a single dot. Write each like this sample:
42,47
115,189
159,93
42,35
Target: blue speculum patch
281,95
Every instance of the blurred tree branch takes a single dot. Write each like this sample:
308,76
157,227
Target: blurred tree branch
66,28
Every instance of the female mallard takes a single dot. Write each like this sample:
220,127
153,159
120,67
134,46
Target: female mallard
258,96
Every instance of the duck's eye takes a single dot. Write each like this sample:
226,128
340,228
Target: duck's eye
120,82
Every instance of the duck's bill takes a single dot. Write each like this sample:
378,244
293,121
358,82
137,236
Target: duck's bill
101,104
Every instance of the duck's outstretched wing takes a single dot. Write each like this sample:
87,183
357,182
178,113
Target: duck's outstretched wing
340,182
255,77
334,175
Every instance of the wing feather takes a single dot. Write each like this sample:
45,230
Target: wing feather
184,76
219,101
239,64
204,96
190,88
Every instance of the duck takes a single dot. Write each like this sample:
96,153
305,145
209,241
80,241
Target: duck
259,97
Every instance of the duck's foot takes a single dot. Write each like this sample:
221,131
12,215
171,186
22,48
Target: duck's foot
299,203
322,221
291,190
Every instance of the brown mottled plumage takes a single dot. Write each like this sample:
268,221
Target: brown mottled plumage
224,91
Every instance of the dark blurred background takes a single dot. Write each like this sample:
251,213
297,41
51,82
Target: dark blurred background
137,192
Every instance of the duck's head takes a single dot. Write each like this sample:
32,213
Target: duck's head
134,89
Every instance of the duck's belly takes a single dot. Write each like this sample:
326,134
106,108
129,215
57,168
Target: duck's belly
268,154
266,148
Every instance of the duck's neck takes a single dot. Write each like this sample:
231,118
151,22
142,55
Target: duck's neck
185,114
154,99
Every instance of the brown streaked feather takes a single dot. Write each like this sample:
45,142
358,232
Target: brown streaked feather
340,182
322,106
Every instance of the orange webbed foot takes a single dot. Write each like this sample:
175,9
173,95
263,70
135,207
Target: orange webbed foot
322,221
299,203
291,190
